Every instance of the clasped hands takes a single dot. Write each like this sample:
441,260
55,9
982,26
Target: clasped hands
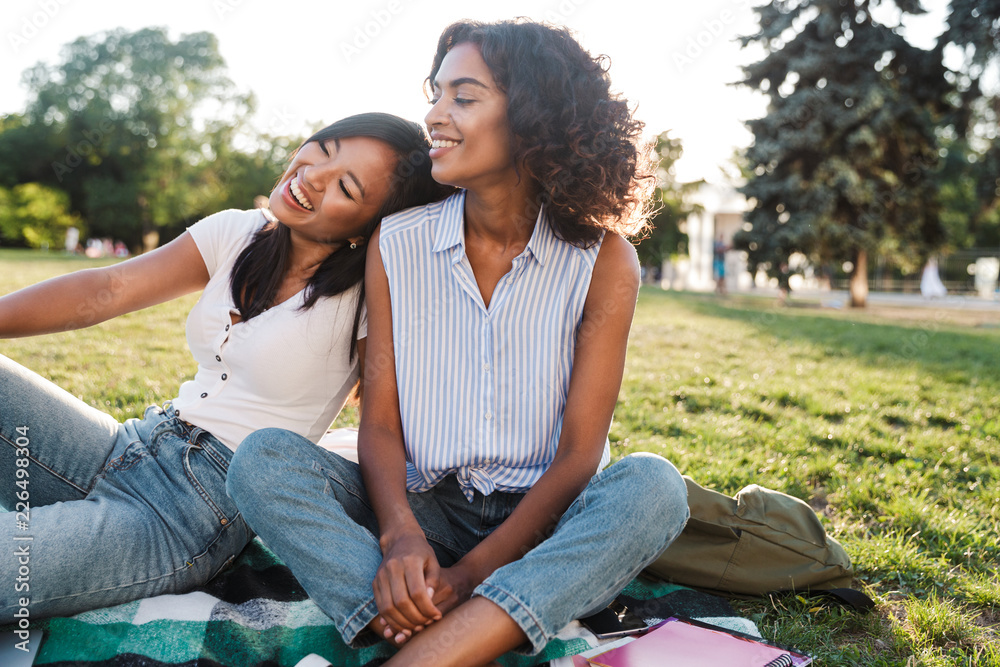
412,590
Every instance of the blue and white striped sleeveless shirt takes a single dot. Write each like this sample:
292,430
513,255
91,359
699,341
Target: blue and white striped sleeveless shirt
482,391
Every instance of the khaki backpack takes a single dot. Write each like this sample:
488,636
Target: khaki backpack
757,542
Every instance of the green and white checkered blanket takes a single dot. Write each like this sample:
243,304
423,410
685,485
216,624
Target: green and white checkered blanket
255,614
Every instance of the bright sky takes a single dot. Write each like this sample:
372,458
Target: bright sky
314,61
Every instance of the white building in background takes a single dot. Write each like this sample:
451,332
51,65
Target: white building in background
722,214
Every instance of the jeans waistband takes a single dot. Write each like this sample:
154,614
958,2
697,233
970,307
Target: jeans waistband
196,434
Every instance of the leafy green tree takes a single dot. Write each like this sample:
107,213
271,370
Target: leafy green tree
35,215
237,176
673,205
26,151
971,187
844,162
974,25
132,116
970,196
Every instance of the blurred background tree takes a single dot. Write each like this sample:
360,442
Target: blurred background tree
140,132
846,162
971,177
673,203
870,146
35,215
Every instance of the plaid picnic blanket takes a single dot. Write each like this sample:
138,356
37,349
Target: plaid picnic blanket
255,614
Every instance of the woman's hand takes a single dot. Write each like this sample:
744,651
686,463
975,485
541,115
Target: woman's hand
455,586
405,584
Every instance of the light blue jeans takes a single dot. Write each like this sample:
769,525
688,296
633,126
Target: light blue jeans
117,512
310,506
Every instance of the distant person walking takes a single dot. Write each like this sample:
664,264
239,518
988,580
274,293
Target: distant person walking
72,240
719,250
784,283
931,286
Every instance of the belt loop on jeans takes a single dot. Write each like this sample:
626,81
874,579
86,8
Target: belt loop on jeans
192,431
215,447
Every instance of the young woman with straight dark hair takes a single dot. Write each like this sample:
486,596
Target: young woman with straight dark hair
125,511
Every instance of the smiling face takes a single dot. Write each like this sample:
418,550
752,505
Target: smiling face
468,123
332,189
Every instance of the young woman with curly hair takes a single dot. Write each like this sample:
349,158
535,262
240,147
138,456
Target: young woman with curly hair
482,515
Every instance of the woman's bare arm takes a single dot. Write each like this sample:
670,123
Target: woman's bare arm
90,296
409,565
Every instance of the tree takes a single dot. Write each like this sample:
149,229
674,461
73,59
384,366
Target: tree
844,162
970,195
974,26
971,190
235,177
35,215
26,151
672,206
131,117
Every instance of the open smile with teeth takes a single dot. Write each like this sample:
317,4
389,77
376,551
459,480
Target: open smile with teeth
297,193
444,143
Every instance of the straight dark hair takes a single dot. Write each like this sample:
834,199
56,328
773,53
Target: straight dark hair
261,267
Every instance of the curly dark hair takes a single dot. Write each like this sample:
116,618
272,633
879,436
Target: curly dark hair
572,135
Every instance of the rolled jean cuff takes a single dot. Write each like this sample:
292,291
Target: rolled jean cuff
353,632
517,610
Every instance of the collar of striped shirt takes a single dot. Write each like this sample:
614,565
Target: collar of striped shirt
449,231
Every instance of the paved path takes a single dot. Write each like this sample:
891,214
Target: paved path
841,299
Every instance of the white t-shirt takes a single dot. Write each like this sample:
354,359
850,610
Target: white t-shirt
286,368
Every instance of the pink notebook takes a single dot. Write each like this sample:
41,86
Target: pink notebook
682,643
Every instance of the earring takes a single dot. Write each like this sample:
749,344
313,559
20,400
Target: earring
354,246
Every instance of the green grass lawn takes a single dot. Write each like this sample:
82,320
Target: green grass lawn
890,428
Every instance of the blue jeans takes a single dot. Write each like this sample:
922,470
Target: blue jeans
117,512
310,507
